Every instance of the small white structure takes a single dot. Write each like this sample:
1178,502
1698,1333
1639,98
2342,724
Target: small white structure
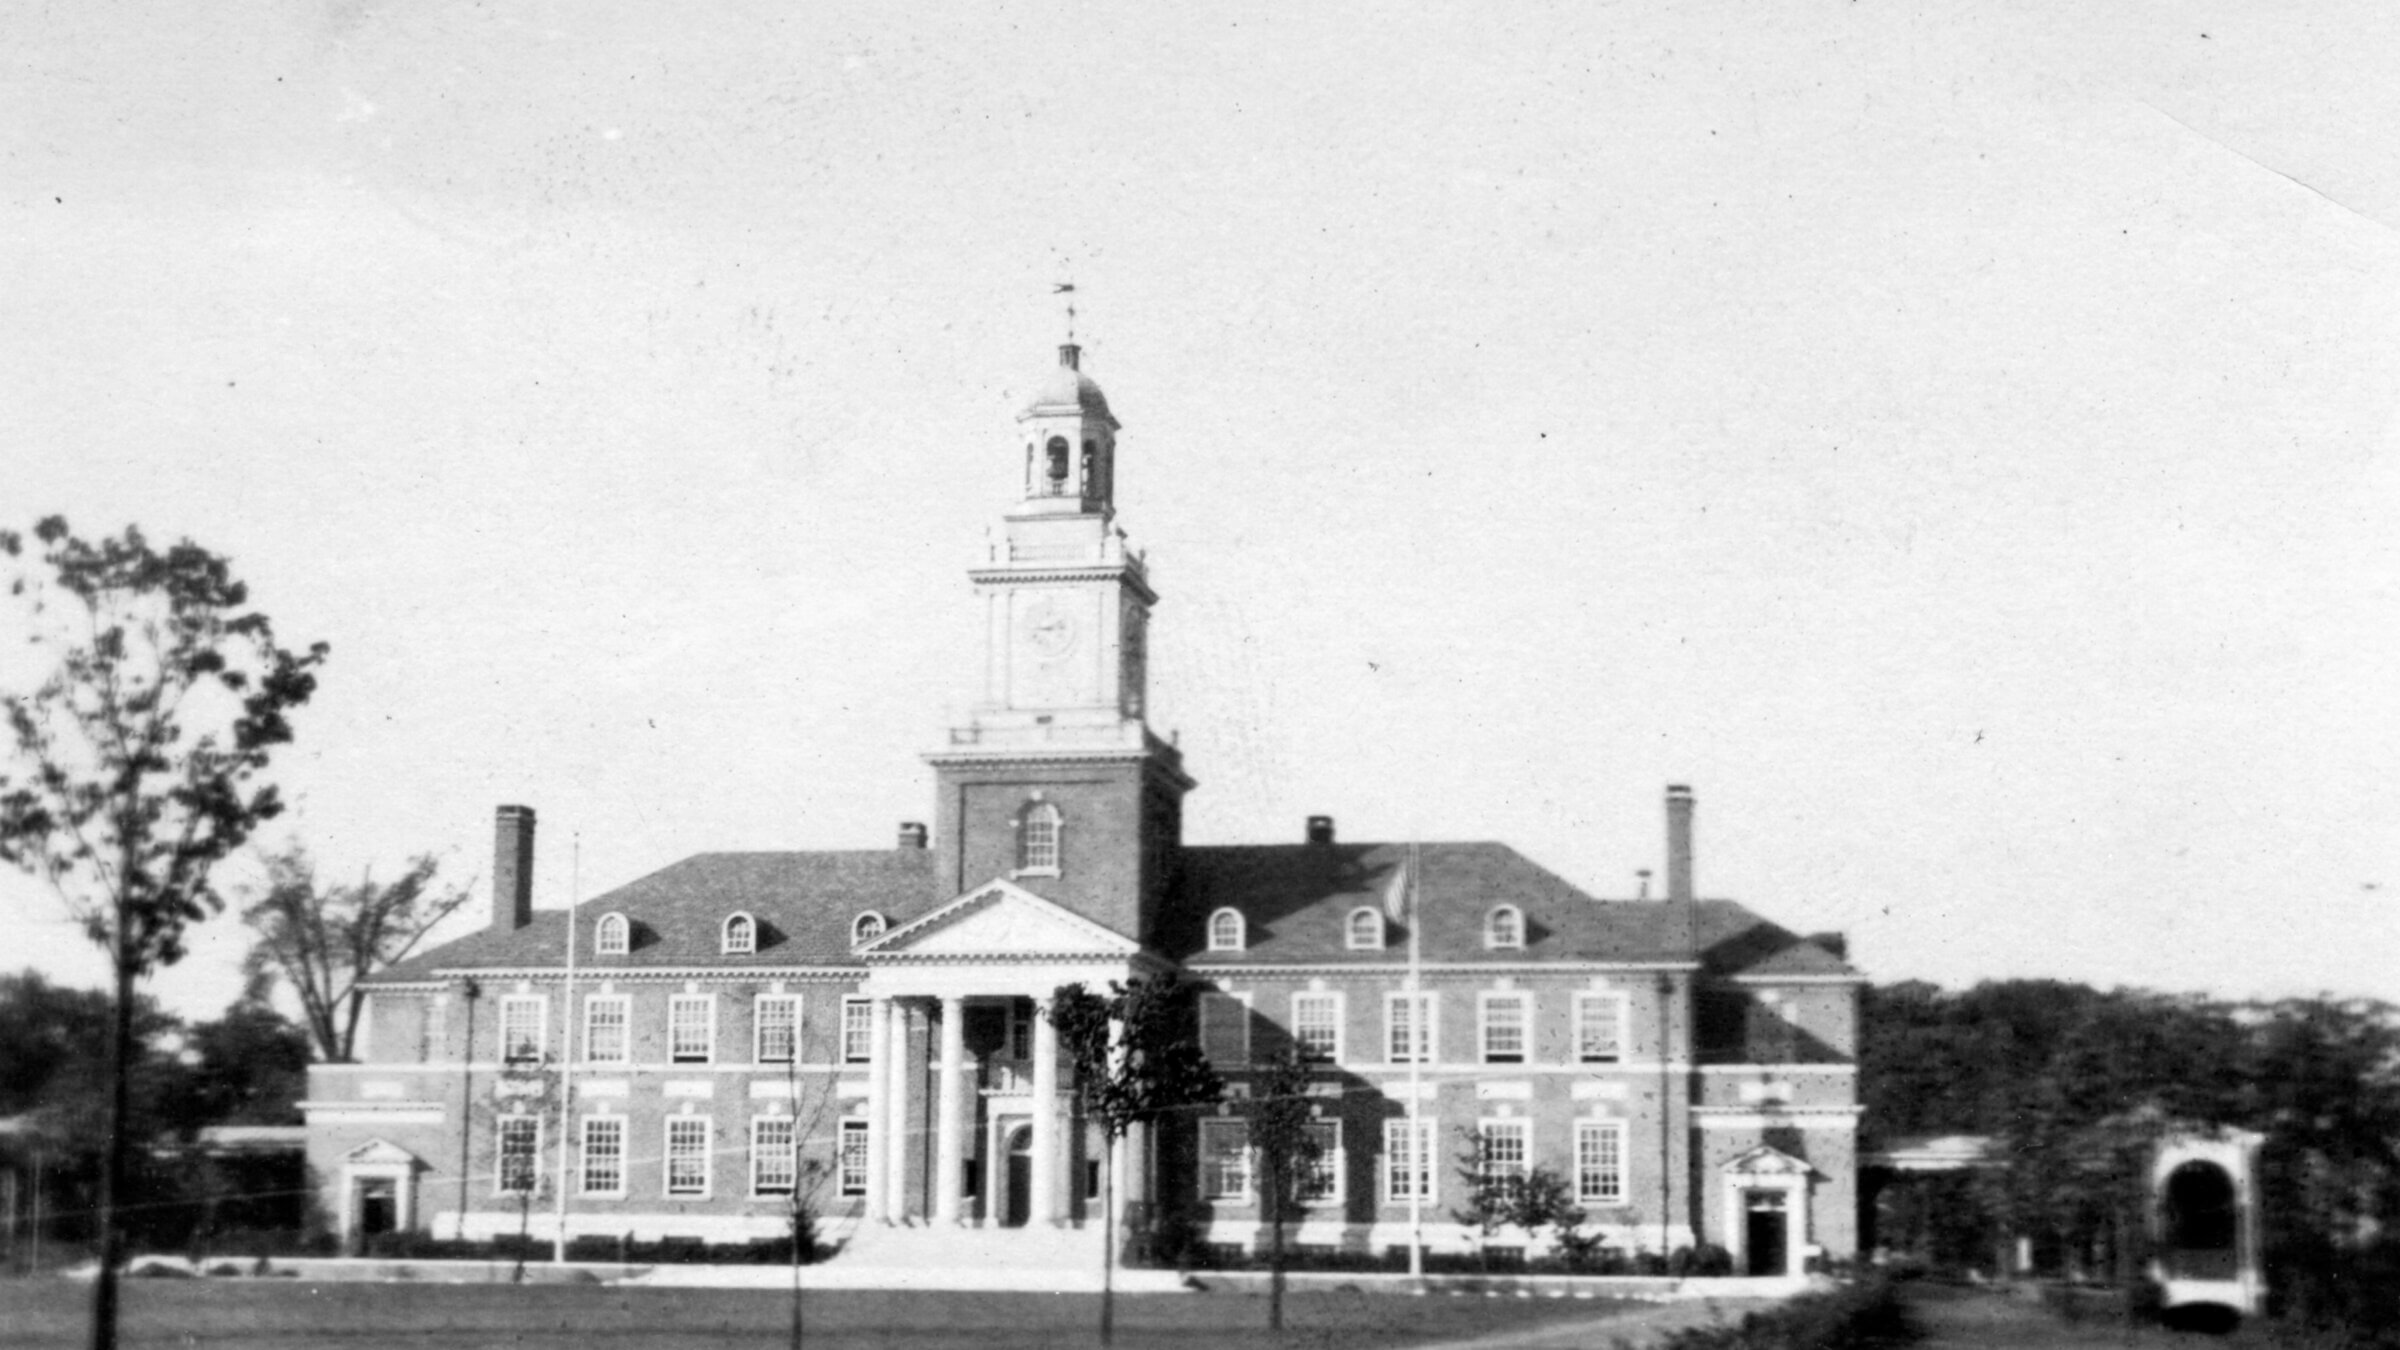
2204,1213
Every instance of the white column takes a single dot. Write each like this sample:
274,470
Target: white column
1047,1137
895,1156
879,1106
950,1152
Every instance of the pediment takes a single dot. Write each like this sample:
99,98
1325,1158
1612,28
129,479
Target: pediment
1002,919
381,1153
1767,1161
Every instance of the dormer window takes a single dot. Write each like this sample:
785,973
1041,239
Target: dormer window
866,928
1504,928
741,935
1364,932
1039,831
1226,931
610,938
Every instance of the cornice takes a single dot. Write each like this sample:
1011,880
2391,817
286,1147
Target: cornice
643,974
1011,574
1196,966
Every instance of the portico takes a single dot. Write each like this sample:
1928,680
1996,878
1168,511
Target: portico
971,1118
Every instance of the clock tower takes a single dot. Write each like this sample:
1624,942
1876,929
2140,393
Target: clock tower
1054,780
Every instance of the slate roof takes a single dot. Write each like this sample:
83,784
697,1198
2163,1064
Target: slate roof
1294,898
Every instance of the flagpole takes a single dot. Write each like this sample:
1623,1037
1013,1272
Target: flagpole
566,1045
1420,1035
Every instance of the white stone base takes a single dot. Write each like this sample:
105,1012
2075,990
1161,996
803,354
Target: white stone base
1444,1237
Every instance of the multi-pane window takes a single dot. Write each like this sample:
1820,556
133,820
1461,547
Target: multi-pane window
1037,839
691,1028
1501,1148
858,1030
604,1155
1317,1026
1408,1023
851,1161
1322,1182
1600,1161
687,1155
775,1028
866,928
520,1153
1224,1159
741,935
1224,1030
1365,930
1407,1169
610,938
1225,931
774,1157
604,1029
1504,928
1599,1028
1506,1020
521,1028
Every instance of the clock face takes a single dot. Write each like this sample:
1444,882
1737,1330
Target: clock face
1049,627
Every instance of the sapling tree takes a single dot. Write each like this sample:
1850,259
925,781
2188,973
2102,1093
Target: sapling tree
1283,1137
141,713
1137,1061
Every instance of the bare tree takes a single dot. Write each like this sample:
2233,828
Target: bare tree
324,941
133,766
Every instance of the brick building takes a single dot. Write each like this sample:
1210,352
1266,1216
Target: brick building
865,1027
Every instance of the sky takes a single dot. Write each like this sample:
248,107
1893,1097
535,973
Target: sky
1957,439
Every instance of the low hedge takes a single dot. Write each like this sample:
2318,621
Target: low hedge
1863,1316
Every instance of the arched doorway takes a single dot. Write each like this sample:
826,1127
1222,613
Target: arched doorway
2200,1222
1017,1207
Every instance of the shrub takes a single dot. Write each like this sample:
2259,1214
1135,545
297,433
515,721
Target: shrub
1865,1316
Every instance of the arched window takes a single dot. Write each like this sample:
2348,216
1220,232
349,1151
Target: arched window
1059,468
610,938
1504,927
1365,930
741,935
1040,840
867,927
1225,931
1091,455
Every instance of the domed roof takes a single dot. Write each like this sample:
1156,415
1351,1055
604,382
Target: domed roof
1069,387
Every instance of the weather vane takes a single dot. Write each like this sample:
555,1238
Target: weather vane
1066,288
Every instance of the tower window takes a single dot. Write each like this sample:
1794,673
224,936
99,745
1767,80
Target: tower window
1039,836
1091,457
741,935
1057,450
1225,931
1504,928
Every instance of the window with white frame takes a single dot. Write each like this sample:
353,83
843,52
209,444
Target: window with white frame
1504,928
521,1031
774,1156
603,1155
1407,1167
520,1154
687,1155
775,1028
741,935
851,1160
1224,1030
605,1018
1364,931
1226,931
1502,1148
1317,1026
1600,1161
1321,1184
1600,1028
1225,1159
1507,1024
858,1030
613,936
1039,831
1408,1024
866,928
691,1028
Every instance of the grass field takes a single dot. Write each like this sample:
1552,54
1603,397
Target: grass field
162,1313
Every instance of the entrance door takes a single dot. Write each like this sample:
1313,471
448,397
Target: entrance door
378,1206
1020,1178
1764,1235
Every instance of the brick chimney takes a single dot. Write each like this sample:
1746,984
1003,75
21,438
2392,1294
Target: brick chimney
912,835
1679,842
512,869
1320,829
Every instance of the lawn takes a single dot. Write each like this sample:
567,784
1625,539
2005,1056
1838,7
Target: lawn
356,1316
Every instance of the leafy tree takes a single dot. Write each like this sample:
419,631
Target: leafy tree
1528,1199
1137,1061
1288,1154
1492,1190
323,940
133,766
247,1067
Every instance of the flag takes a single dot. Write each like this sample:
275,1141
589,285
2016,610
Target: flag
1395,895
